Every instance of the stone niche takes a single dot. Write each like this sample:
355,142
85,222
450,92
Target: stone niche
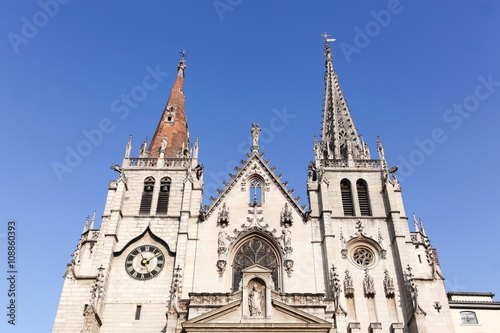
257,283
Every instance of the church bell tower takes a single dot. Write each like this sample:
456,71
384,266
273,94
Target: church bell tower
126,273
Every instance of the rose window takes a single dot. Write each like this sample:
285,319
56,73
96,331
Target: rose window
363,256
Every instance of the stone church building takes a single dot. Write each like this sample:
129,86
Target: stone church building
255,260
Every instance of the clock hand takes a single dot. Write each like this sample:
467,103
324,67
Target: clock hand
147,267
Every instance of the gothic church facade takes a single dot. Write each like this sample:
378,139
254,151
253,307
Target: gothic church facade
254,260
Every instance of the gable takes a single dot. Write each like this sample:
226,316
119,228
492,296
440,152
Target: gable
230,318
255,168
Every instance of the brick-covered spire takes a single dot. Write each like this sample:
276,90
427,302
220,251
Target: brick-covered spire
172,136
339,137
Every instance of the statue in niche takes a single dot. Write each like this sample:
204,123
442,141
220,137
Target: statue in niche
222,236
287,235
255,301
369,285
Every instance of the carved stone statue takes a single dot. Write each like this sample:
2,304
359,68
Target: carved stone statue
312,171
199,171
255,134
286,215
348,285
389,288
287,236
222,241
254,301
369,285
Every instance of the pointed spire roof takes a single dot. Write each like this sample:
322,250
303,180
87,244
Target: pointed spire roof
339,135
173,123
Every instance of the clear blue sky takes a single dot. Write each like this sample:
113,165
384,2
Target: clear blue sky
405,68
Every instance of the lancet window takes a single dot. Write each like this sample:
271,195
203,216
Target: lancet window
162,207
364,202
345,192
255,192
147,196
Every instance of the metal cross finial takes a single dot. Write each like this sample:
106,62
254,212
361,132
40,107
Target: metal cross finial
327,39
183,54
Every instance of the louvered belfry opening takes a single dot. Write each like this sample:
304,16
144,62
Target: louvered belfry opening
364,202
164,195
345,191
147,196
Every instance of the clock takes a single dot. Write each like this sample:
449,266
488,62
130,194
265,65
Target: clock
144,262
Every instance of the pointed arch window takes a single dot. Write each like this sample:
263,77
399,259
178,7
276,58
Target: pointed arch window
147,196
255,192
162,207
255,251
364,201
345,193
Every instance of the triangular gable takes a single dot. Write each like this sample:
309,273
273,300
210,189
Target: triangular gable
255,161
284,318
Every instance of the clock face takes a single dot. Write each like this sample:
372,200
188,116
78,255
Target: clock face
144,262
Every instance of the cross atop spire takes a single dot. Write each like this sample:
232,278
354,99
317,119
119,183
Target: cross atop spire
327,39
183,54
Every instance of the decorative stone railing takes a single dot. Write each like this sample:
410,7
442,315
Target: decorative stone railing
357,163
295,299
92,234
212,299
153,162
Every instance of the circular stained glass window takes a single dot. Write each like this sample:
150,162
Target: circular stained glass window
363,256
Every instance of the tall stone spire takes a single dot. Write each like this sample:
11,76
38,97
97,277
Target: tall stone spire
339,138
172,135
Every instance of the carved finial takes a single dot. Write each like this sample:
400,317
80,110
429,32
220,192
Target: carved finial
380,148
129,147
255,137
143,151
196,148
86,226
92,221
96,291
422,229
415,223
359,227
412,287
